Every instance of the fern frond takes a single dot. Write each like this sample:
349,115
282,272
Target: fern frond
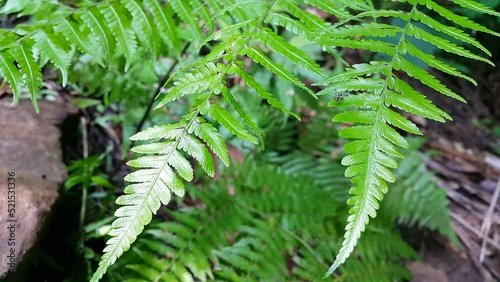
208,133
165,25
122,31
242,113
51,47
195,82
142,24
460,20
473,5
294,54
377,87
73,34
435,63
12,74
100,32
13,6
155,180
385,244
259,57
404,97
449,30
331,7
290,24
444,44
362,271
261,91
32,74
424,77
310,20
202,10
183,9
225,118
368,95
223,241
273,220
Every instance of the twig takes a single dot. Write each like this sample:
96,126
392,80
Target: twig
473,230
83,207
485,227
472,247
158,90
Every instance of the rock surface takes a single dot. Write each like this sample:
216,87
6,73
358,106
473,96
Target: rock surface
30,149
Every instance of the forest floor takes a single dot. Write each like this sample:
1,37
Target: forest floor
467,164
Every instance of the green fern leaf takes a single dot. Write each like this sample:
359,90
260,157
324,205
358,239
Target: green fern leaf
399,121
356,84
365,117
12,74
259,57
357,70
294,54
451,31
362,101
220,14
204,13
460,20
13,6
165,25
74,36
224,118
151,185
261,91
310,20
100,32
290,24
142,25
199,152
405,16
30,69
195,82
366,29
363,271
444,44
473,5
365,44
435,63
169,131
413,102
121,29
49,46
242,113
182,8
191,145
214,140
331,7
425,78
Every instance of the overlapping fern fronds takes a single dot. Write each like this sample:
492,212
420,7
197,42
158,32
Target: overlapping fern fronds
201,82
377,89
220,238
106,31
259,207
